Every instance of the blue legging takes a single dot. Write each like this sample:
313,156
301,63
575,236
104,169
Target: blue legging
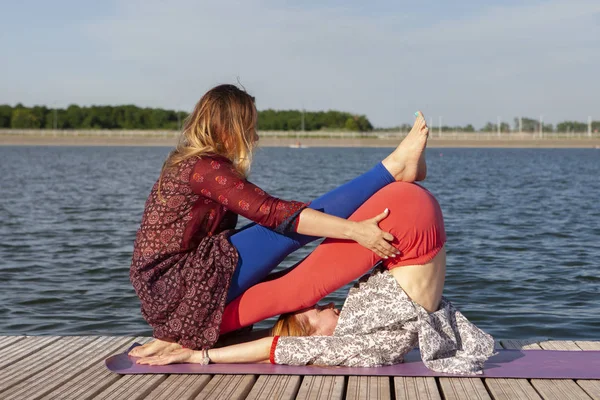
261,249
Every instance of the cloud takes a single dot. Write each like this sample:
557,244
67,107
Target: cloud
385,62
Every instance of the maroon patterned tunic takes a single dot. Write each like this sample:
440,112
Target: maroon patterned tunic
182,258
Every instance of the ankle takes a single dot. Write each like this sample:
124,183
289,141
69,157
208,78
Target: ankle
394,167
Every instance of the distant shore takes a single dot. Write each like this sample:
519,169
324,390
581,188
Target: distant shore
319,139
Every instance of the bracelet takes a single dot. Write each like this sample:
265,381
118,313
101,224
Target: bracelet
205,358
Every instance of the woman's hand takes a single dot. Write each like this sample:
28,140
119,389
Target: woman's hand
173,357
367,234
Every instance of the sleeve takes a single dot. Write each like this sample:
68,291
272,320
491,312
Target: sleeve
372,350
450,343
216,179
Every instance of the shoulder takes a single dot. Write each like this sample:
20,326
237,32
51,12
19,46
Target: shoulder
211,161
213,164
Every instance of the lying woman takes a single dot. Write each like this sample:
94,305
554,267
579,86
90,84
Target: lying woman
387,313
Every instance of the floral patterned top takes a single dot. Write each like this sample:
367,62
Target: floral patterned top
379,324
183,260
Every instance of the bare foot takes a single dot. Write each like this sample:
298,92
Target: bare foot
407,162
154,348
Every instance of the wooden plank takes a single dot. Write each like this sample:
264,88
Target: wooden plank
416,388
526,344
227,387
463,388
321,387
426,388
571,345
6,341
559,389
559,345
60,372
551,389
591,387
23,348
588,344
276,387
88,382
184,387
40,360
40,364
10,339
368,387
508,389
131,387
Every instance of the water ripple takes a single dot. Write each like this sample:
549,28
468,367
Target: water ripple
523,233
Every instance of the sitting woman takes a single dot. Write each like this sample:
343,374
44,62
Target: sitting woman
398,306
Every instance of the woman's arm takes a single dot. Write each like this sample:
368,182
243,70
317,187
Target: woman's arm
366,233
216,179
357,350
379,348
250,352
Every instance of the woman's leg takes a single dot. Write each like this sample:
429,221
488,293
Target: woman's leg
416,222
261,249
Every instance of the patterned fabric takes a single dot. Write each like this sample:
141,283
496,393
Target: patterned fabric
182,260
379,324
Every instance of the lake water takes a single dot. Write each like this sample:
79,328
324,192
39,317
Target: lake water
523,231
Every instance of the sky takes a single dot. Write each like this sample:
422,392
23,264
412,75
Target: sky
464,61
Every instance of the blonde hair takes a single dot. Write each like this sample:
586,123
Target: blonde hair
290,325
223,122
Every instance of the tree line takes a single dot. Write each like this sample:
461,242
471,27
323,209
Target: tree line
133,117
533,125
130,117
522,124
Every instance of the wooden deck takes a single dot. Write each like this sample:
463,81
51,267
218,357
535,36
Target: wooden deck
54,367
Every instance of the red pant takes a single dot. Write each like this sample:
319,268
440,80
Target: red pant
415,220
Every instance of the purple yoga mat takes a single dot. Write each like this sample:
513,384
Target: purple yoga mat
506,364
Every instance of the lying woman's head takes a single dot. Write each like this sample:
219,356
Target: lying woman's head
223,122
317,320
